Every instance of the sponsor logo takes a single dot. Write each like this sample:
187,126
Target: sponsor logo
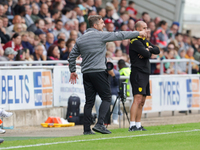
42,88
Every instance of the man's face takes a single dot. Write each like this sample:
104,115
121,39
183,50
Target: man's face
142,27
100,25
39,50
41,25
110,27
1,23
28,10
73,35
62,36
1,10
5,22
17,19
11,56
174,29
50,38
35,10
44,9
59,25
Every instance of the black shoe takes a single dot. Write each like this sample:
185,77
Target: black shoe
133,128
101,129
1,141
142,129
88,133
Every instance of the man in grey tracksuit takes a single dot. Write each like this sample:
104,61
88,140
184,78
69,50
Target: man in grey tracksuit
92,48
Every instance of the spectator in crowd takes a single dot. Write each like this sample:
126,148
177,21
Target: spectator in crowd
16,19
160,34
15,42
69,25
50,40
186,41
40,24
43,11
58,28
97,4
197,55
69,45
28,19
89,5
66,15
55,14
61,47
5,21
20,55
18,6
18,28
10,10
27,55
145,17
49,25
4,37
53,53
124,17
131,25
79,14
173,30
109,13
35,12
82,28
25,42
73,34
182,65
101,12
131,10
38,53
178,41
9,54
189,55
157,21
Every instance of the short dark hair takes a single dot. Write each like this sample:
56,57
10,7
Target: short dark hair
60,40
121,62
65,10
94,19
58,21
54,11
15,35
131,2
145,13
163,22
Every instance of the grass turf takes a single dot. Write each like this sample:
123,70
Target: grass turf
176,141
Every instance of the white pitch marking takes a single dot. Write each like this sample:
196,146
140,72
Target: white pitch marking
117,137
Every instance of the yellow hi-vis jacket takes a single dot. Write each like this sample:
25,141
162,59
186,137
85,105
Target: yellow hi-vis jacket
126,71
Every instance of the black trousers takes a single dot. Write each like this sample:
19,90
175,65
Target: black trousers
96,82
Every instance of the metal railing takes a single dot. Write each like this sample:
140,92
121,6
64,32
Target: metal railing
52,64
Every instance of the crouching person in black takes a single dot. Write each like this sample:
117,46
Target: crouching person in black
140,51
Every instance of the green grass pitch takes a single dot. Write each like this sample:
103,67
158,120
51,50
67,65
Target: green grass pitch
168,137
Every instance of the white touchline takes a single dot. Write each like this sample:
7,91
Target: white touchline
98,139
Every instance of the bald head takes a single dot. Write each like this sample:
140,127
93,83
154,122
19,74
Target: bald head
17,19
139,25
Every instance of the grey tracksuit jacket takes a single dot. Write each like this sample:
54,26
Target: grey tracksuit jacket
92,48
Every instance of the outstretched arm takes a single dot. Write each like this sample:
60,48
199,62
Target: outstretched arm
121,35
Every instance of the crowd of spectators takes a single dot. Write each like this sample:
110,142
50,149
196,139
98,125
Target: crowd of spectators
42,30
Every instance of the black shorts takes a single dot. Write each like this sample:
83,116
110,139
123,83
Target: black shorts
140,83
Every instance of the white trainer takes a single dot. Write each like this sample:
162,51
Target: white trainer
5,114
115,122
2,131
